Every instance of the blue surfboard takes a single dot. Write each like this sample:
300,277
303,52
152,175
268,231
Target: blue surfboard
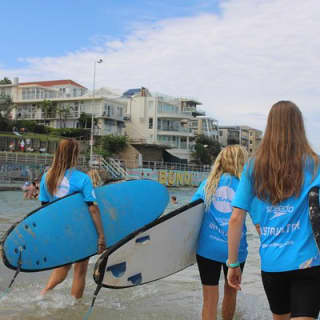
63,232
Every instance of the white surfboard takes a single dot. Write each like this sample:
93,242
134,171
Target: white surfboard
160,249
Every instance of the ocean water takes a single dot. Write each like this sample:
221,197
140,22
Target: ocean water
176,297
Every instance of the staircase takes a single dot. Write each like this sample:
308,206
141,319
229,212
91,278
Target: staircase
114,169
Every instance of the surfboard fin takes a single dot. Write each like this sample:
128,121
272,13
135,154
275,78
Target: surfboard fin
15,274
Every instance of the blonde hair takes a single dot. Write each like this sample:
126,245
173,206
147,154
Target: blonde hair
231,159
66,156
95,177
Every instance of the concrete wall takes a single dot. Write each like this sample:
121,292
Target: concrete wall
171,178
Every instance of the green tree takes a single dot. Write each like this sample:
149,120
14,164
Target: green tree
5,80
4,124
48,107
63,111
206,149
6,105
109,145
85,120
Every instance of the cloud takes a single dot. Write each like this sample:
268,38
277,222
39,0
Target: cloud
238,62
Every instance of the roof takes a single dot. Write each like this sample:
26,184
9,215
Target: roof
52,83
131,92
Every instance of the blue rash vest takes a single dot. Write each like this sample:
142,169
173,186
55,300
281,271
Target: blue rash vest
286,241
213,238
73,181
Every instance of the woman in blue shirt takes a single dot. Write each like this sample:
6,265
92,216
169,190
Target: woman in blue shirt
274,187
212,252
62,179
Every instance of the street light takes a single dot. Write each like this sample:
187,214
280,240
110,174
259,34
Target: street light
92,104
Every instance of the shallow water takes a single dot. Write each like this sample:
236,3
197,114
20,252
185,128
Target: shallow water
176,297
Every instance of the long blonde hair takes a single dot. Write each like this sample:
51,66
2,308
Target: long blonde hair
66,157
95,177
231,159
280,159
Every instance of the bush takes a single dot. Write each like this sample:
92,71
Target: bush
29,126
206,150
109,145
5,124
71,132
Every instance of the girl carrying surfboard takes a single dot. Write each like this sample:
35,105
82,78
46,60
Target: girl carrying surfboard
274,186
212,251
62,179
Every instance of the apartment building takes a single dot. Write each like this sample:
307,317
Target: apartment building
244,135
203,125
60,104
161,120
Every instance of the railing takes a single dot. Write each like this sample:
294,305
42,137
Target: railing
44,115
114,168
187,130
110,165
160,165
28,158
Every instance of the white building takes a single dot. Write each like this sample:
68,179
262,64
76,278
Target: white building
243,135
207,126
161,120
60,104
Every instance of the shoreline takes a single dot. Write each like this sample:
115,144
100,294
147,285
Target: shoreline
10,188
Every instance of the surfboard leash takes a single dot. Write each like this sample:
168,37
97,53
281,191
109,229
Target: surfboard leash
86,317
7,290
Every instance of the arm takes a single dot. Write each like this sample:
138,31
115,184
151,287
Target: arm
234,235
90,198
95,214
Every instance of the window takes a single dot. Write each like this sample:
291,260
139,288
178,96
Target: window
150,123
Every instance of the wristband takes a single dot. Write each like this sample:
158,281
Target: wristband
233,265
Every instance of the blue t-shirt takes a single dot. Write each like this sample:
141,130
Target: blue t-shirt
73,181
213,238
286,241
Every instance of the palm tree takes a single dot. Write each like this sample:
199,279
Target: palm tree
6,105
48,107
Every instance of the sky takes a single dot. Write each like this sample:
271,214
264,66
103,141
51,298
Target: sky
236,57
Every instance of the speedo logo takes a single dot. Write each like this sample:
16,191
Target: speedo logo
279,211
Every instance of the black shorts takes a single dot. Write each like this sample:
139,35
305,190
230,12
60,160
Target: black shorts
295,292
210,270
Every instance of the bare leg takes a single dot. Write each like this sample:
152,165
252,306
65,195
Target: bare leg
56,277
229,302
210,302
79,278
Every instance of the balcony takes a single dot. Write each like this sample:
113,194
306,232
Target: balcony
193,111
47,116
109,115
170,129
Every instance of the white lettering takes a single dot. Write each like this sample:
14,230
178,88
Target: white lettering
276,231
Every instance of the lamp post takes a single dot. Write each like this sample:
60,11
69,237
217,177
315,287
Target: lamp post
92,104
